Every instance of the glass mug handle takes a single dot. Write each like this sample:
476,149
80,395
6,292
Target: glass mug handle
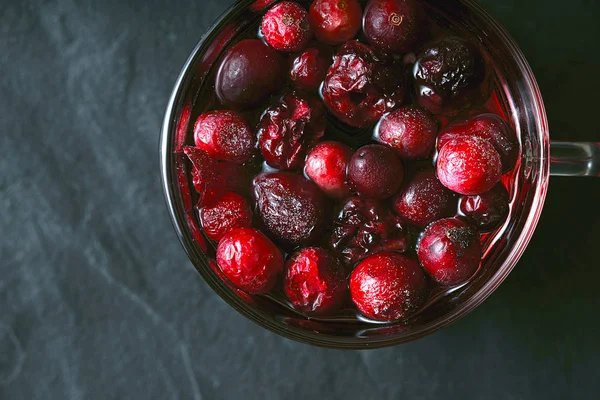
575,158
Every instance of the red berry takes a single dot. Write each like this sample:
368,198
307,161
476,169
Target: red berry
450,251
250,72
231,211
364,227
487,210
469,165
288,129
450,75
326,167
486,126
310,68
411,131
375,171
388,287
224,135
335,21
315,282
359,88
249,260
394,26
286,28
424,200
291,207
205,176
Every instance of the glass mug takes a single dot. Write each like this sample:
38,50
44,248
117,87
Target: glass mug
540,158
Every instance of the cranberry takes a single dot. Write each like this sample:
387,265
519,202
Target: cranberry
450,251
310,68
326,167
205,175
224,135
335,21
411,131
364,227
388,287
315,282
291,207
229,212
288,129
394,26
375,171
469,165
450,75
236,177
249,260
250,72
424,200
486,126
487,210
359,87
286,28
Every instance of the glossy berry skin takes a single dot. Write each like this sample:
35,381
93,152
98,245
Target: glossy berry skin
450,251
488,210
410,131
315,282
224,135
450,75
206,178
375,171
469,166
288,129
486,126
365,227
229,212
326,166
250,260
250,72
335,21
285,27
292,209
388,287
424,200
310,67
394,26
359,87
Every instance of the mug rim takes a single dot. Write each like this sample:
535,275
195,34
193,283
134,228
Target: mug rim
180,224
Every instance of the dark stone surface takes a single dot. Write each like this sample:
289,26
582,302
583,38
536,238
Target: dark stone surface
98,300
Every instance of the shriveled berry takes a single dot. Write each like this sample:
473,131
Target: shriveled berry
326,166
224,135
359,87
249,260
286,27
487,210
335,21
375,171
205,176
388,287
450,75
450,251
394,26
292,208
250,72
310,68
315,282
288,129
411,131
424,199
470,165
229,212
365,227
486,126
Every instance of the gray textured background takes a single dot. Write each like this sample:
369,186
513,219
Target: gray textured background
98,300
